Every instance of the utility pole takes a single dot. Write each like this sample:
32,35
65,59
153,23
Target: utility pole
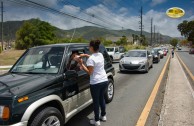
157,37
2,25
154,33
151,31
141,23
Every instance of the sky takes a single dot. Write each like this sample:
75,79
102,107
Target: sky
112,14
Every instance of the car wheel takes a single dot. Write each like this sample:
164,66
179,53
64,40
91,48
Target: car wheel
109,94
121,71
49,116
147,69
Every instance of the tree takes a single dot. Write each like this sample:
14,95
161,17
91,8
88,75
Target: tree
187,30
174,42
184,42
34,33
123,41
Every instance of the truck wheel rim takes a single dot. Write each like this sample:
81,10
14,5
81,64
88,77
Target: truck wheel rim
110,90
51,121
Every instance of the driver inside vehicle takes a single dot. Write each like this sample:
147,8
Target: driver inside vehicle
73,62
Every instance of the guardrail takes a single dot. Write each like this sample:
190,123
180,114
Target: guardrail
5,67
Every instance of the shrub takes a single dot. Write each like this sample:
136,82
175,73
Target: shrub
131,47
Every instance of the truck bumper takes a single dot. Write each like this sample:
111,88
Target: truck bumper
18,124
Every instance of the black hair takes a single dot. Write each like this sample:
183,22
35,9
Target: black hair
95,44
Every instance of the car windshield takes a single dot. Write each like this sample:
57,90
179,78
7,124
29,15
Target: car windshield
40,60
158,50
110,49
154,51
136,54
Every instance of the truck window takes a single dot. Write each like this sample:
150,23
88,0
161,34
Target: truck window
73,63
116,50
121,49
40,60
110,49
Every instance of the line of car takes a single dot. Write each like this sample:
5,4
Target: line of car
137,60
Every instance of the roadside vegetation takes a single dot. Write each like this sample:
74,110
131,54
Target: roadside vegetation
10,57
174,42
186,29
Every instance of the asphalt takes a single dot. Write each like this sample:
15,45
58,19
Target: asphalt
132,91
187,58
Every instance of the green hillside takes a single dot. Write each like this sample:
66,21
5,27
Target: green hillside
87,32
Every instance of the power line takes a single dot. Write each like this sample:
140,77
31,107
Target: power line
46,8
90,1
91,15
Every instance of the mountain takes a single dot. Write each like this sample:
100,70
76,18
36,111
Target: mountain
87,32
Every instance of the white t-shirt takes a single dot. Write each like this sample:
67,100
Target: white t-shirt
99,74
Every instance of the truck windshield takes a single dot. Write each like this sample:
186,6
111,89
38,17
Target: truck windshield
110,49
40,60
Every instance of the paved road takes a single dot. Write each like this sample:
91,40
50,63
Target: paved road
187,58
132,91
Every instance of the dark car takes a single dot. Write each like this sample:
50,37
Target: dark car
160,51
156,56
45,85
191,51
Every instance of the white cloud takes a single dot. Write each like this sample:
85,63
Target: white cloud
123,11
71,9
156,2
104,16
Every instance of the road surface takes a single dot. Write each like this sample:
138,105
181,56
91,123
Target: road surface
132,91
187,58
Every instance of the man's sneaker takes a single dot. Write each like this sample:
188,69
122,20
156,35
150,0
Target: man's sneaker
103,118
96,123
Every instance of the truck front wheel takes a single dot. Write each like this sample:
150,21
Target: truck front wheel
49,116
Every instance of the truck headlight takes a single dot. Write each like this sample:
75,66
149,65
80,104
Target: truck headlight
4,112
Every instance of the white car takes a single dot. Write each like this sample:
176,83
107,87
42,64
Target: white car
115,53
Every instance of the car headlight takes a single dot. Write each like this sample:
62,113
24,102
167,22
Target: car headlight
142,62
4,112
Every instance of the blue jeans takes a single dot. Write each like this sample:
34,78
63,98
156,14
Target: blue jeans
97,92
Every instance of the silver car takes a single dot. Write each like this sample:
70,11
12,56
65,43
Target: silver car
136,60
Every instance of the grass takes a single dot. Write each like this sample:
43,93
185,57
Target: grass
9,57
